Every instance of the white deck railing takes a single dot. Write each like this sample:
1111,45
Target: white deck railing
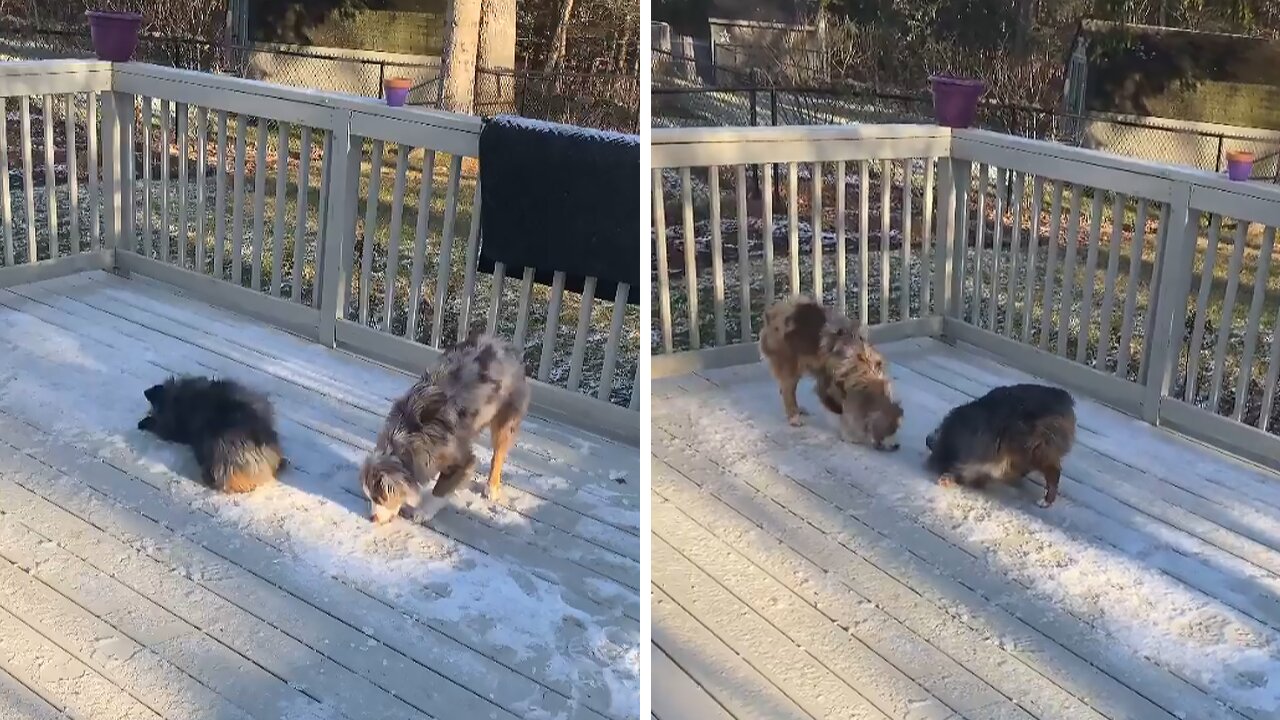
1079,266
333,216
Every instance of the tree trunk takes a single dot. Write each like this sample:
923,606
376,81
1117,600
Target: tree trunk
556,56
496,91
1026,20
458,67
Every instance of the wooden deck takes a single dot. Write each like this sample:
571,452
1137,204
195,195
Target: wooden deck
795,576
128,591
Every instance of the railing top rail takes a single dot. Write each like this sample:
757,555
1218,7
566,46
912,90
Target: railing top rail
26,68
789,133
133,77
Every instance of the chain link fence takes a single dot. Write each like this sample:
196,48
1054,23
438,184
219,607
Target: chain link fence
694,106
605,101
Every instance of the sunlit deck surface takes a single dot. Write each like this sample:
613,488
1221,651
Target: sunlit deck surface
795,576
127,590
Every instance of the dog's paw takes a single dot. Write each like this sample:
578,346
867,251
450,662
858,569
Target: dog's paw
146,423
493,494
947,480
1044,503
796,420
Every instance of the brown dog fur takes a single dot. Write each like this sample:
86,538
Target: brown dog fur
802,337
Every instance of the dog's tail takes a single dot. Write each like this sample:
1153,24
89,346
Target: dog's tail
245,468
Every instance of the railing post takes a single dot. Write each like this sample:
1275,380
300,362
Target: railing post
1176,258
340,210
117,178
953,182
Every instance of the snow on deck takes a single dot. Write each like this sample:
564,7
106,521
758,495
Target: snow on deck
795,576
127,590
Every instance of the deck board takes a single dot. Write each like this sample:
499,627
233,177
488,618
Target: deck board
969,582
287,603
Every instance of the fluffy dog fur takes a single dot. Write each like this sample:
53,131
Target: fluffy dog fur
429,431
802,337
1004,435
230,428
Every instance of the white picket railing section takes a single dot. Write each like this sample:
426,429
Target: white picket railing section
335,217
1151,287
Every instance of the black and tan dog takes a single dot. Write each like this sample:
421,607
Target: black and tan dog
800,337
1004,435
428,433
230,427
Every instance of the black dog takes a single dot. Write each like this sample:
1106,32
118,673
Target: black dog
230,428
1003,435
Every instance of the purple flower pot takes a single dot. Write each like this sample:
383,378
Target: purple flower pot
115,35
1239,166
396,96
955,100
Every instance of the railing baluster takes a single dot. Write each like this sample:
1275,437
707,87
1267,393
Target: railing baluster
1211,252
793,230
445,267
1033,249
28,180
329,161
92,166
130,237
552,328
816,231
6,200
979,232
425,194
259,203
1090,276
300,226
1051,263
1267,407
770,279
660,256
336,242
842,267
1106,319
1226,319
864,251
690,259
908,191
1260,281
605,391
220,200
1019,185
927,254
371,200
997,249
522,313
50,179
581,332
1066,303
744,258
281,207
392,271
473,256
1137,248
717,255
238,201
73,176
202,184
148,233
886,182
184,179
165,185
495,304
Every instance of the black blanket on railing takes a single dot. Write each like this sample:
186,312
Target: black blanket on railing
559,197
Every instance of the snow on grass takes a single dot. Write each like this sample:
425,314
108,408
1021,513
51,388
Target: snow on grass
1068,557
317,518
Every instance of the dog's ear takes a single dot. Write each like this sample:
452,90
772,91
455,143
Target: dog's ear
154,393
